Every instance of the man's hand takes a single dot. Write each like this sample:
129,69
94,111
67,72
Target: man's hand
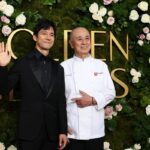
63,140
5,56
84,101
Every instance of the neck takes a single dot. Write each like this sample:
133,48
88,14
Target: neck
82,56
44,52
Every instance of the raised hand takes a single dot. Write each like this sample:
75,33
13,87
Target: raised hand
5,56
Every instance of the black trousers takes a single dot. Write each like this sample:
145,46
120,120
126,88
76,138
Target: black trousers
93,144
41,142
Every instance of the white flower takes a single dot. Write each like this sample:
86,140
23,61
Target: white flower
102,11
107,2
145,18
137,146
145,29
148,110
143,5
3,4
6,30
133,72
110,13
148,36
2,147
110,20
128,149
148,140
140,42
118,107
138,74
114,113
11,147
135,79
106,145
20,19
115,1
100,20
93,8
9,10
95,16
134,15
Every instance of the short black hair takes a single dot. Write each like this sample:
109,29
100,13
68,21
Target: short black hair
43,24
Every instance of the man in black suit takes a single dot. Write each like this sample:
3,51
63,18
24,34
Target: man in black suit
42,123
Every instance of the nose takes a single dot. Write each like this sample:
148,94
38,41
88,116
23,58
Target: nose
84,41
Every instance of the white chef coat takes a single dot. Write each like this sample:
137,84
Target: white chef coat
91,76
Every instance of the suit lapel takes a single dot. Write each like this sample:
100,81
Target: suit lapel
34,65
53,77
35,68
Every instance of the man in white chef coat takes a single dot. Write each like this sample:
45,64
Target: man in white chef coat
89,88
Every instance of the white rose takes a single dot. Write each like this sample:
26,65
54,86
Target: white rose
137,146
20,20
95,16
110,20
135,79
93,8
145,18
11,147
102,11
133,72
140,42
9,10
100,20
148,110
145,29
106,145
148,140
110,13
148,36
3,4
115,1
2,147
134,15
114,113
138,74
6,30
143,5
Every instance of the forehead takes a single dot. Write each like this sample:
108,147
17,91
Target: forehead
80,32
49,29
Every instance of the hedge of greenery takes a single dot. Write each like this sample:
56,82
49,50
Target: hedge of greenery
127,118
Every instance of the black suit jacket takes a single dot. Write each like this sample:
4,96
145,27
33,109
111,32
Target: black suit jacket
36,107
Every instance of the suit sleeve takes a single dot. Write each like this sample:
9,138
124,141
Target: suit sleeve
62,103
8,78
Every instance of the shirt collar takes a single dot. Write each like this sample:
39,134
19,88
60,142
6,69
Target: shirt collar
40,56
76,58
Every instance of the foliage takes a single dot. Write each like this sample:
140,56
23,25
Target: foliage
131,125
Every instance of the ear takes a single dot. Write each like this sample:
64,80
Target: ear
71,43
34,38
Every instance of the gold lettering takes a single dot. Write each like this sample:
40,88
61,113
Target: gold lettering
66,43
93,44
122,84
10,39
113,39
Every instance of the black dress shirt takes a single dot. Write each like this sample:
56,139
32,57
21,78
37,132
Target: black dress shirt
45,68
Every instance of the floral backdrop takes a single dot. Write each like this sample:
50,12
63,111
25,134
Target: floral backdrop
127,119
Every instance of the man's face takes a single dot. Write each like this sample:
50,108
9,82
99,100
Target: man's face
81,41
45,39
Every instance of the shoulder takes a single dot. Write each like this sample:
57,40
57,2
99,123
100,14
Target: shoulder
66,62
99,62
